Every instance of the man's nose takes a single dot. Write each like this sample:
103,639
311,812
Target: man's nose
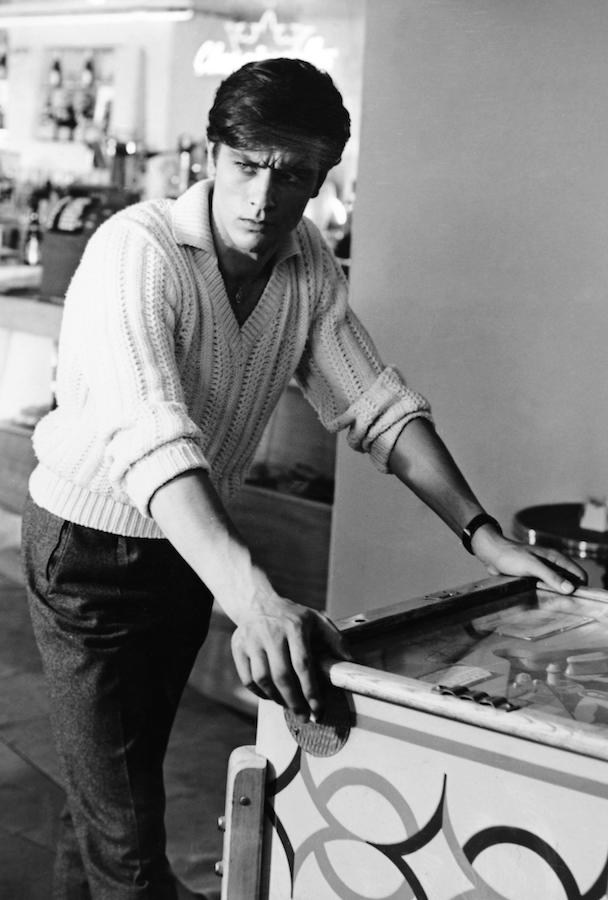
262,194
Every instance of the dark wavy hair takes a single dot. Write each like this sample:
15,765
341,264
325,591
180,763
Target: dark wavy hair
285,103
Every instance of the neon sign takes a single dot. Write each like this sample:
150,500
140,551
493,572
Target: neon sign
249,41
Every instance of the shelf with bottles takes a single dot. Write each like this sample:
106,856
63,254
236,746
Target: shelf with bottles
3,84
77,95
32,240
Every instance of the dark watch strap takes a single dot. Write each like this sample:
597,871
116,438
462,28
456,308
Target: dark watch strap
476,522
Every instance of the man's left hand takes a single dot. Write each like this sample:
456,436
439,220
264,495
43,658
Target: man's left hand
502,556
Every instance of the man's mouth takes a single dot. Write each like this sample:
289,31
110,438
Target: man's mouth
256,225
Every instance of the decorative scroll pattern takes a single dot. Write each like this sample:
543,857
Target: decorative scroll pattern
419,836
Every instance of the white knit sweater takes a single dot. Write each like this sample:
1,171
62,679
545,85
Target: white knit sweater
156,377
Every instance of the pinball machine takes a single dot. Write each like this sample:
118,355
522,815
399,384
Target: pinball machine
463,754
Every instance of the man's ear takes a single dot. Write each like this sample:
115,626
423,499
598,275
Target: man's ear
211,154
320,182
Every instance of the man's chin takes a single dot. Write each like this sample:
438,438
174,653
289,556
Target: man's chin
253,245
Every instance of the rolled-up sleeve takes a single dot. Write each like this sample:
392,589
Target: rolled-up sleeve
342,375
131,365
151,449
376,419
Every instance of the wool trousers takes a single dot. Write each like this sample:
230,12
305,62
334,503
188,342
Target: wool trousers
118,622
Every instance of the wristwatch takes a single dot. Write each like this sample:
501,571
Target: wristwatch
476,522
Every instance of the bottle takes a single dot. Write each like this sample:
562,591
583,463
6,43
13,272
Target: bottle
55,73
185,147
3,86
33,237
56,98
87,76
85,96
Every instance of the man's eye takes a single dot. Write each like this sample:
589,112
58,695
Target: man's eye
247,168
290,177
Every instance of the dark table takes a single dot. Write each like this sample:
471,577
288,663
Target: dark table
557,525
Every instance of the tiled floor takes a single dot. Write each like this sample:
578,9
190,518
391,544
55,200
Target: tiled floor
30,784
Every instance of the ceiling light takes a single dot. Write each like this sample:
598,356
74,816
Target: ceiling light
87,18
71,12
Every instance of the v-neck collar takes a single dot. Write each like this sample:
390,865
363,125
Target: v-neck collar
241,336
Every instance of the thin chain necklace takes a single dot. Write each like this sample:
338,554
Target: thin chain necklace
244,296
243,291
239,292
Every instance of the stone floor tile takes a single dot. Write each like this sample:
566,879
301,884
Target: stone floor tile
32,739
25,868
29,800
23,697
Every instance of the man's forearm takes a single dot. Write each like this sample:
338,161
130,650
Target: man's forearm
192,517
421,461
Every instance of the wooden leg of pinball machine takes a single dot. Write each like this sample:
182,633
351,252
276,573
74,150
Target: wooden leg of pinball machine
242,823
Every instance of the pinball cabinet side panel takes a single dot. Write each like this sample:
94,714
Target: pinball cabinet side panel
406,804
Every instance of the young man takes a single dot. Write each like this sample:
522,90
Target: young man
182,326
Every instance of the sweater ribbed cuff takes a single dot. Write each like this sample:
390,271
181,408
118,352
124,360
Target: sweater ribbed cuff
157,468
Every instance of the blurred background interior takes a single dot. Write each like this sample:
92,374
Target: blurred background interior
470,213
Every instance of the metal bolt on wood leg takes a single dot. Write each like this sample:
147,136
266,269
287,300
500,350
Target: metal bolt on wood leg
243,821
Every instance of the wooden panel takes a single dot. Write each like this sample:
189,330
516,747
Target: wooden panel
289,537
295,439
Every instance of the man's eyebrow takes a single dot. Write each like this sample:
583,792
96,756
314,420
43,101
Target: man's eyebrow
299,168
243,157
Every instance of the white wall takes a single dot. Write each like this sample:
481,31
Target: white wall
481,268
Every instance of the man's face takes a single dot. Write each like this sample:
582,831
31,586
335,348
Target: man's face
259,196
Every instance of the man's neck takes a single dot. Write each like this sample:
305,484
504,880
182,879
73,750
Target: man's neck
236,266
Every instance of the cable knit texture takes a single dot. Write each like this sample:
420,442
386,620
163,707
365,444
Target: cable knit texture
156,377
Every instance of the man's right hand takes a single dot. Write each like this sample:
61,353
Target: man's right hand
277,647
